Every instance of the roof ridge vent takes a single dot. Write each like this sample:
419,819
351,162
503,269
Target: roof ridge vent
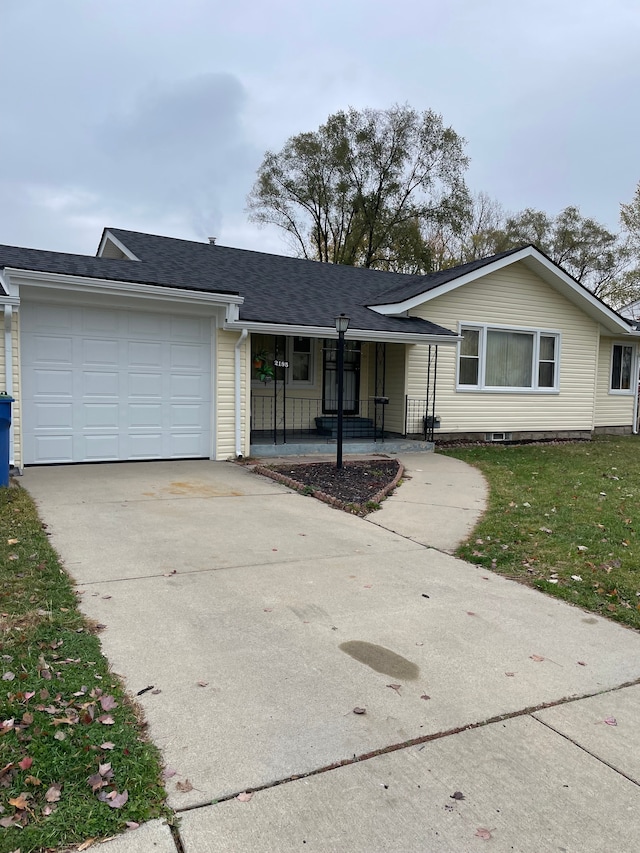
212,240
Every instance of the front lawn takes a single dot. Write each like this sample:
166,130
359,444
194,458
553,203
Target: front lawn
563,518
74,762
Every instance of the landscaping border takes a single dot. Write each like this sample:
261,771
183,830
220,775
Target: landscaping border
353,509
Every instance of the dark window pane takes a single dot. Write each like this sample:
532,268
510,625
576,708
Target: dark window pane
468,371
470,341
547,348
545,374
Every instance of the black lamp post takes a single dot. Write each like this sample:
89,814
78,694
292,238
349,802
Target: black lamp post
342,324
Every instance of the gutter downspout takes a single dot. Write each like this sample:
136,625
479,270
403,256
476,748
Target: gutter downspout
8,372
238,389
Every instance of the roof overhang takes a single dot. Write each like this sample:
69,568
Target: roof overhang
330,332
82,284
542,266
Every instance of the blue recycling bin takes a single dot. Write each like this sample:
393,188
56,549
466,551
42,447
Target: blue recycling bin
5,426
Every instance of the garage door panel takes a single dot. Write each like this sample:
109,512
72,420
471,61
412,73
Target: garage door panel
187,385
54,415
53,383
98,386
100,383
50,448
144,354
145,446
48,349
102,352
102,415
145,384
100,448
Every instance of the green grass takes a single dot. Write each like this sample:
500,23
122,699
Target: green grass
564,519
49,650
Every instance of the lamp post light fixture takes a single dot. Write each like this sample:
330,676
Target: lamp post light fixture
342,324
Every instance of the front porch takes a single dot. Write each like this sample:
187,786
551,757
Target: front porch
293,403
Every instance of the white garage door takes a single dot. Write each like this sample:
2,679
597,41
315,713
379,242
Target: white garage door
103,384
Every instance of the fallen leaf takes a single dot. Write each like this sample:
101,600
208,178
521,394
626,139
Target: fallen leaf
202,683
8,676
106,719
424,696
26,763
132,824
359,710
168,772
119,800
457,795
544,530
32,780
95,782
537,658
470,613
12,541
6,822
582,548
185,786
20,802
581,663
108,703
395,687
610,721
86,844
510,674
107,745
59,735
481,832
244,797
54,793
47,810
106,597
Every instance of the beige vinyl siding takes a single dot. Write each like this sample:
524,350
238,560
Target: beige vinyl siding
16,411
611,409
517,298
224,416
395,380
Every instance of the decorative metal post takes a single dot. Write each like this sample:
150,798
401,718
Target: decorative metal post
342,324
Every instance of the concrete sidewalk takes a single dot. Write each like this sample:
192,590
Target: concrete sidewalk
294,614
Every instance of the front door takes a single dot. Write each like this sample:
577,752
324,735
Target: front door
351,378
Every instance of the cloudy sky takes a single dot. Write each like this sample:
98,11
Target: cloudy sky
155,114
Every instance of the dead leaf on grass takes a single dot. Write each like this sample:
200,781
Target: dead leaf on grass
106,719
108,703
86,844
107,745
21,801
26,763
54,793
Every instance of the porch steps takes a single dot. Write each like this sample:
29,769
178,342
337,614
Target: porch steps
351,427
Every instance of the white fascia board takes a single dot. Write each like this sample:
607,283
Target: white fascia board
352,334
6,296
82,284
546,269
120,245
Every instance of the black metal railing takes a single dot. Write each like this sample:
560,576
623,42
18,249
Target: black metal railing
420,418
278,421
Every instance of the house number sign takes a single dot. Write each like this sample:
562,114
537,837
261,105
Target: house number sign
278,363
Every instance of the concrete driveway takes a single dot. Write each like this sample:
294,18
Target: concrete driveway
264,618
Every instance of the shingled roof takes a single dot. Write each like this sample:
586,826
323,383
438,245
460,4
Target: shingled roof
276,289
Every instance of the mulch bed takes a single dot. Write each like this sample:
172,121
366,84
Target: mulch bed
358,487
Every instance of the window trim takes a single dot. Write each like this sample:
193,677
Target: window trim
623,392
534,388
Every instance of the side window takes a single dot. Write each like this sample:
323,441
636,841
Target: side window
301,360
621,366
